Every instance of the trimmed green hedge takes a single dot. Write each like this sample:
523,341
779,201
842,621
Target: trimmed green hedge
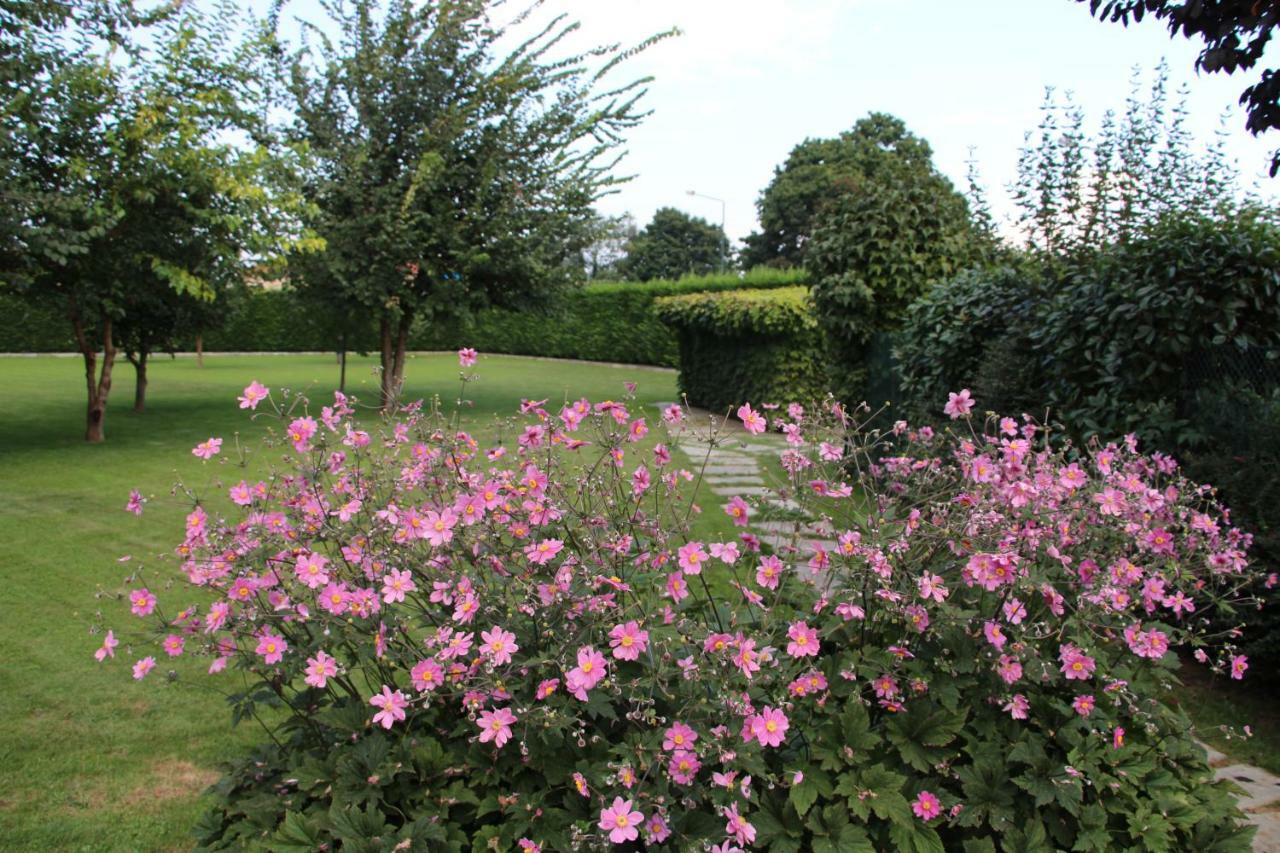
603,321
757,346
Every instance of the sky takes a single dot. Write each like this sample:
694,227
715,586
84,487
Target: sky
747,80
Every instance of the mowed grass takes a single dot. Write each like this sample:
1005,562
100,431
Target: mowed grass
89,760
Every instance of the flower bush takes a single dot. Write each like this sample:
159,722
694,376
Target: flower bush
525,646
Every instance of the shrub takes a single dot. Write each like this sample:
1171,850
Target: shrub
604,321
518,646
1118,326
974,320
877,246
746,345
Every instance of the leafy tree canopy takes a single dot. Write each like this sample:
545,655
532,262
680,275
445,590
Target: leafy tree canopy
814,172
674,244
1235,35
449,172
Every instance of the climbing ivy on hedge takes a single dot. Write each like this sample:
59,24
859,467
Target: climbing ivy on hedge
758,346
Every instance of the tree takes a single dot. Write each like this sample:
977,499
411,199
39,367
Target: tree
889,230
448,175
1235,35
792,203
608,246
133,157
674,244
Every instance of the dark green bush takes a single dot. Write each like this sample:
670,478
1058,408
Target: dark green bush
759,346
971,323
29,326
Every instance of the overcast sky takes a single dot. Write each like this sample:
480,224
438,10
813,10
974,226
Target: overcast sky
749,79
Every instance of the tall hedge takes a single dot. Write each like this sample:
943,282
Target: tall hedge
756,346
603,321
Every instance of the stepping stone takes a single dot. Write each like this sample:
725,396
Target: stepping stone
730,491
778,526
731,469
1216,759
733,480
1260,787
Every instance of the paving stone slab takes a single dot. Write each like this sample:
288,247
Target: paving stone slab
1260,787
1216,759
737,482
725,471
745,491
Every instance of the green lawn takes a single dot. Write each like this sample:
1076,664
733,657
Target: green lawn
88,759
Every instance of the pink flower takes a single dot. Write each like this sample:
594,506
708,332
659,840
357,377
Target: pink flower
498,646
320,669
1239,664
678,736
395,584
438,527
300,433
926,806
737,826
392,707
995,636
690,558
804,640
496,726
173,645
311,570
426,675
1083,705
591,669
254,394
1017,707
769,571
769,726
621,821
272,648
1075,663
683,766
467,357
1117,738
135,502
108,649
141,602
207,449
628,641
638,430
738,510
142,667
751,419
544,551
546,688
958,405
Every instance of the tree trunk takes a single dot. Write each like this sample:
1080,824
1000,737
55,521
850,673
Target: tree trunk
386,358
140,382
97,383
199,349
402,344
342,363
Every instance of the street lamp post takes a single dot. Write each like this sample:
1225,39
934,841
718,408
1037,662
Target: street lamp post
696,194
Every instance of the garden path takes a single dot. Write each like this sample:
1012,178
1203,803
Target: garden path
732,465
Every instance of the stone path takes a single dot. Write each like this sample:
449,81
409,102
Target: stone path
1260,801
733,467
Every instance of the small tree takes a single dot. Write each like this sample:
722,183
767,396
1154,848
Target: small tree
446,173
887,231
675,244
790,207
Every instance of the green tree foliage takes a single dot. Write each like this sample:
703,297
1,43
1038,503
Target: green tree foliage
674,244
886,232
608,246
447,173
1075,191
1235,35
144,172
813,174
